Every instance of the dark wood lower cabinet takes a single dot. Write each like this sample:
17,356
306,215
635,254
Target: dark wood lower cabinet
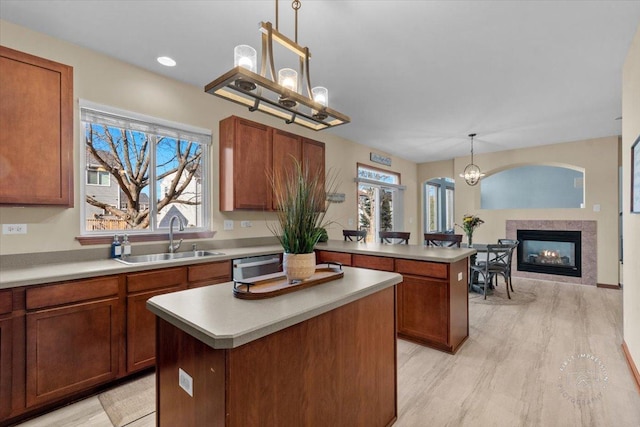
328,256
141,323
61,341
433,311
433,301
5,367
336,369
71,348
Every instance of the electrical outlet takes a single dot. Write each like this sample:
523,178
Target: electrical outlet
14,228
350,222
245,224
228,224
185,381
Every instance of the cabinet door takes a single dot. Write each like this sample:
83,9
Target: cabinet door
141,323
5,367
423,309
313,156
71,348
313,162
245,162
287,148
36,146
141,330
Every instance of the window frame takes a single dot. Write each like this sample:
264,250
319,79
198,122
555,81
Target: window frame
156,127
444,210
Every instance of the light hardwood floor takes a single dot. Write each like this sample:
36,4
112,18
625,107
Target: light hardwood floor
550,357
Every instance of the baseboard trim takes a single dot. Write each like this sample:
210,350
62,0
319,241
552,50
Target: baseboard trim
632,365
603,285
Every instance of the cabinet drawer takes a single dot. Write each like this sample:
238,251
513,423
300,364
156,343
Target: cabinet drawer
342,258
158,279
422,268
214,270
71,292
6,303
373,262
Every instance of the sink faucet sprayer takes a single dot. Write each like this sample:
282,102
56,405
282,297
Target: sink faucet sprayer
172,247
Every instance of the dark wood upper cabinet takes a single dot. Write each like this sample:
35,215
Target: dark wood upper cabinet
245,164
249,152
36,131
287,148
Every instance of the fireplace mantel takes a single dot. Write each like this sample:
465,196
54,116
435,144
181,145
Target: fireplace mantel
589,248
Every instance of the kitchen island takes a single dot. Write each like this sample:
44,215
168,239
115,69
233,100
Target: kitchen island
325,355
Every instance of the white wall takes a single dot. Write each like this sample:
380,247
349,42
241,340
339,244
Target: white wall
631,222
599,159
104,80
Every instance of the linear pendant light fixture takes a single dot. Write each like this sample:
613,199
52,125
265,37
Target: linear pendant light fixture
472,172
282,95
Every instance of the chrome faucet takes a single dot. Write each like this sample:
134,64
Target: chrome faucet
172,247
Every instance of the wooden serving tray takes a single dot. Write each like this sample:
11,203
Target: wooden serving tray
272,285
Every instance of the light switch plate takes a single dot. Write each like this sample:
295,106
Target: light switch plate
245,224
459,276
185,381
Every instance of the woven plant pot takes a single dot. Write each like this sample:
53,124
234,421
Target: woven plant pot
299,267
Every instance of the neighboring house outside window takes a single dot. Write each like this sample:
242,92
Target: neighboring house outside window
141,171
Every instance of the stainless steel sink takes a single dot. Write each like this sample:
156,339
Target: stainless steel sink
151,258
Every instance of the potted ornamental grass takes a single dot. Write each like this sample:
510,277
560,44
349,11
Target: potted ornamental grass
301,203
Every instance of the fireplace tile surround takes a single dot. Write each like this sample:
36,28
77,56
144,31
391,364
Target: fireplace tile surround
589,248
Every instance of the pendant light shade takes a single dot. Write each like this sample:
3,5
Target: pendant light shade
472,173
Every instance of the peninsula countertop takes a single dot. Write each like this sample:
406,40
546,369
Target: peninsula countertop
214,316
416,252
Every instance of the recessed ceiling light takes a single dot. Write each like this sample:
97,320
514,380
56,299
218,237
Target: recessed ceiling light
166,61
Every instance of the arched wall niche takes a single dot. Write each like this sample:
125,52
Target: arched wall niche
548,185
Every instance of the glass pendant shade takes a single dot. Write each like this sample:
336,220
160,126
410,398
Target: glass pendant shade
288,78
472,174
246,57
320,95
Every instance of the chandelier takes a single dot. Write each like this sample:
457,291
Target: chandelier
286,94
472,172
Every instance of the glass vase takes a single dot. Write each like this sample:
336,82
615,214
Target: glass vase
470,240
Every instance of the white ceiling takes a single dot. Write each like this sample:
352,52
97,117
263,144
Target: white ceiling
414,76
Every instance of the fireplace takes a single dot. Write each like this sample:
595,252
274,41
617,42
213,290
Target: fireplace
550,251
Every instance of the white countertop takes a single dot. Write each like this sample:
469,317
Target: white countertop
214,316
48,273
417,252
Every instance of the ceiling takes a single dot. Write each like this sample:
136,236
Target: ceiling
416,77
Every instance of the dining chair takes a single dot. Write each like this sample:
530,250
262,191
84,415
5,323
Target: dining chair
359,235
394,237
497,264
515,244
442,239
